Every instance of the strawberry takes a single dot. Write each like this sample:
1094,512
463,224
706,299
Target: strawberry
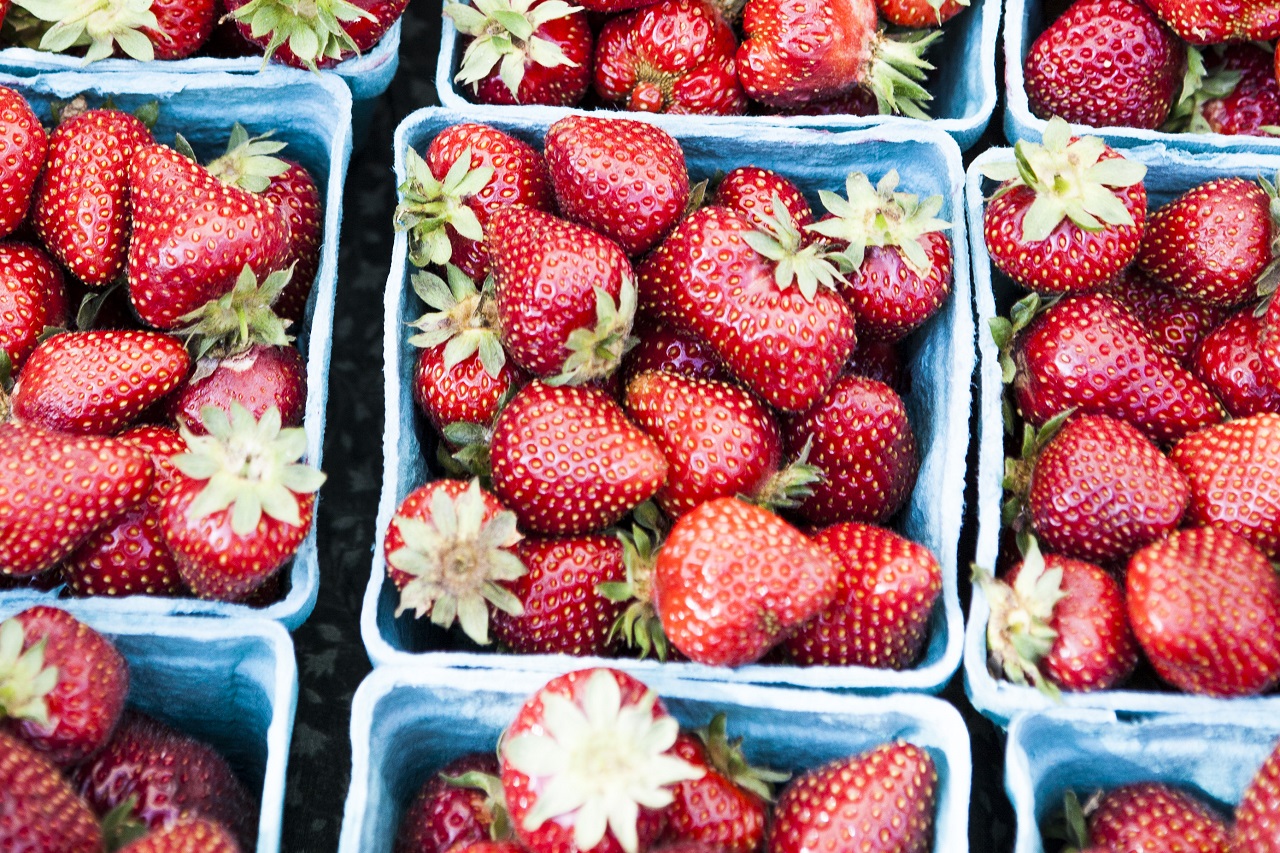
1218,21
186,836
1204,605
81,207
1213,243
858,101
749,191
23,147
1069,214
1177,324
588,764
244,504
887,793
446,814
861,440
1239,93
881,361
625,179
1256,829
171,778
488,847
885,592
57,490
42,812
665,348
446,200
524,51
174,267
1058,623
318,34
28,278
733,580
1231,469
568,461
1229,362
675,56
162,29
920,14
1157,816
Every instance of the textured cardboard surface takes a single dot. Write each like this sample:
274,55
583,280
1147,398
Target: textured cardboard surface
312,113
940,358
963,86
406,724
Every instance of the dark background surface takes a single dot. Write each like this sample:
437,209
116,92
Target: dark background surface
331,658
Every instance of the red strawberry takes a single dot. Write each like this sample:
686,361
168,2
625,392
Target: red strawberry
187,836
887,793
81,208
625,179
488,847
863,443
23,146
881,361
1228,361
1213,242
446,201
589,763
568,461
1256,828
447,815
858,101
665,348
1068,216
42,812
1204,605
1177,324
1156,816
885,593
28,280
733,580
1218,21
749,191
315,35
95,382
920,14
1239,94
675,56
56,490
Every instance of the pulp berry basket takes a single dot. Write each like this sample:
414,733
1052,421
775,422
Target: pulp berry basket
406,724
1024,20
963,86
312,113
1169,174
230,682
940,359
1053,752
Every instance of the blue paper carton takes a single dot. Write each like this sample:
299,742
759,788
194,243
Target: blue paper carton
940,358
1169,174
312,113
407,724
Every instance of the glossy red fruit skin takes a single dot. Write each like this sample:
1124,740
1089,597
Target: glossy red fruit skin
883,604
188,836
713,810
1256,828
443,816
81,207
417,505
864,444
1254,103
364,32
519,177
1204,605
1105,63
1229,362
827,807
185,25
1177,324
666,348
675,56
259,378
1154,815
858,101
23,147
919,14
561,86
28,278
465,394
564,613
297,194
891,300
568,461
42,812
749,191
1090,353
1218,21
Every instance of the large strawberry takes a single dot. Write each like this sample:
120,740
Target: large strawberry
161,29
447,813
1155,815
28,277
1257,817
23,146
1239,94
1217,21
316,34
1176,322
1229,361
41,811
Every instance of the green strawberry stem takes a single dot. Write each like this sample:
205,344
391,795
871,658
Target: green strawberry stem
495,801
24,679
597,352
779,240
1198,87
1018,632
785,489
1004,330
428,205
102,25
465,319
1018,470
897,69
727,757
639,626
502,33
312,29
239,319
119,826
248,162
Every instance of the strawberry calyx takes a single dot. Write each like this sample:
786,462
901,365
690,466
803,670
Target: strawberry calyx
24,679
240,318
313,30
465,319
780,241
248,162
639,626
788,487
495,801
727,758
428,205
1018,470
471,459
1198,87
1004,330
102,25
1019,635
896,70
457,561
597,352
1269,278
502,31
120,826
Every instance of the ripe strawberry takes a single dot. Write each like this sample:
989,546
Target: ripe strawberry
172,777
318,34
23,146
42,812
1232,471
1204,605
881,361
28,278
675,56
1218,21
1213,242
187,836
488,847
524,51
625,179
858,101
568,461
1256,828
1229,362
244,505
57,490
81,206
887,793
174,266
1238,95
861,440
163,29
589,763
1177,324
1069,214
665,348
885,592
749,191
733,580
446,200
920,14
1058,623
447,814
1157,816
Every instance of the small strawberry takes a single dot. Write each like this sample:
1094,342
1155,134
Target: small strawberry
665,348
1204,605
1157,816
625,179
888,793
589,764
749,191
23,147
1177,324
1069,214
1229,362
920,14
1256,828
317,34
733,580
1218,21
41,811
1239,93
186,836
161,29
447,813
28,278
